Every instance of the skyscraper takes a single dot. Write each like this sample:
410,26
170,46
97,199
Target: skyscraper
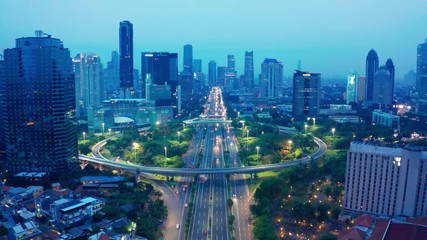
249,71
383,86
162,68
188,59
198,74
352,88
231,63
2,143
371,67
89,83
126,57
112,76
212,73
361,89
421,79
39,106
271,79
306,94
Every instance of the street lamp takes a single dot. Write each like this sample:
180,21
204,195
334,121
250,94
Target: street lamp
135,147
243,124
103,128
314,122
109,132
308,119
290,145
166,152
84,136
305,127
247,133
179,133
257,152
333,132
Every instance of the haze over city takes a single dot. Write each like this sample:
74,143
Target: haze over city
330,37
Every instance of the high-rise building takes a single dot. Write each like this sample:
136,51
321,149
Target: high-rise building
163,70
188,59
126,57
386,180
421,80
112,76
221,70
89,83
212,80
371,67
39,106
249,71
361,89
306,94
231,63
352,88
2,143
198,74
271,79
383,86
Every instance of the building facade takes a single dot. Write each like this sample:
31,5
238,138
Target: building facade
249,72
39,106
212,80
306,94
352,88
111,77
372,63
271,79
126,57
421,78
188,59
386,119
383,86
386,180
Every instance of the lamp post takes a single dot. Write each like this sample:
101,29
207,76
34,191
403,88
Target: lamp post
109,132
305,127
290,145
135,147
179,133
103,128
314,122
166,152
243,124
257,153
333,132
247,133
84,136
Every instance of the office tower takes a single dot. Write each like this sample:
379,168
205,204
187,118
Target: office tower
2,143
383,86
271,79
386,180
249,71
112,77
188,59
198,74
306,94
231,63
39,106
212,80
352,88
163,70
221,70
371,67
361,89
421,79
89,84
126,57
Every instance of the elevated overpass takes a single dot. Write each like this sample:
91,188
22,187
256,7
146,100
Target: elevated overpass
199,120
197,171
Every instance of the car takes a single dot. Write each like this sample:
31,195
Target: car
177,226
186,205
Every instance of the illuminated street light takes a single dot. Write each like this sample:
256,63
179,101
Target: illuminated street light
243,124
135,147
247,133
257,153
166,152
84,136
290,145
333,132
103,128
109,132
179,133
314,122
305,127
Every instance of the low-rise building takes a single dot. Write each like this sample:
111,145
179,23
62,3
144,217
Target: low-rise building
24,231
386,119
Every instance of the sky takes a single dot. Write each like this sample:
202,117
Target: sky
331,37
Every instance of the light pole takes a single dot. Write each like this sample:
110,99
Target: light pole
109,132
305,127
103,128
247,133
166,152
84,136
290,145
314,122
333,132
179,133
135,147
257,152
243,124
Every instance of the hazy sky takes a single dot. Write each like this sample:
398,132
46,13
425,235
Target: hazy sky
329,36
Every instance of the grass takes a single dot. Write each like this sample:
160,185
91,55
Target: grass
255,182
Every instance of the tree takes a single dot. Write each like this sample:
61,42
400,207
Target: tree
328,236
229,203
231,219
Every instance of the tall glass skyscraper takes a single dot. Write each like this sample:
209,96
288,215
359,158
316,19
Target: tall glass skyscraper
212,73
126,56
188,59
371,67
39,106
306,94
271,79
352,88
112,76
249,71
421,80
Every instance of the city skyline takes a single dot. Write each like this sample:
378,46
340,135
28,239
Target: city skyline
395,33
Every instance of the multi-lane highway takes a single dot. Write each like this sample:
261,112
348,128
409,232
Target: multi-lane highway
210,215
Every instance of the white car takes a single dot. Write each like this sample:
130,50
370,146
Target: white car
186,205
